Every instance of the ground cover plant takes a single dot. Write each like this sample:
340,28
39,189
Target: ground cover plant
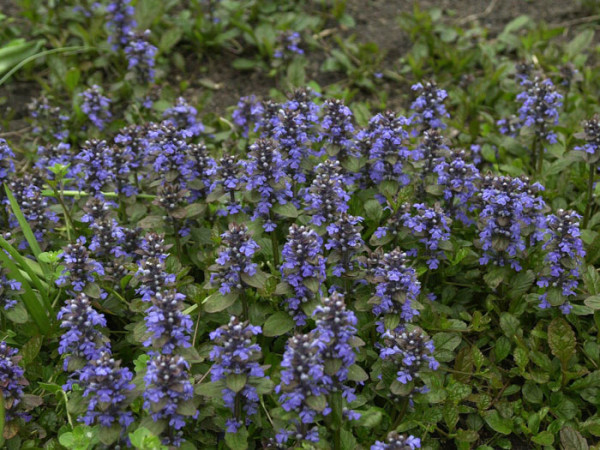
359,251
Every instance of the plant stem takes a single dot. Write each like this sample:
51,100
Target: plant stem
588,200
245,306
68,218
540,160
275,246
73,193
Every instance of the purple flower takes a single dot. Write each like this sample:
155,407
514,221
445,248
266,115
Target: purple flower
288,45
168,388
266,175
344,242
183,116
96,107
201,168
249,111
234,354
47,121
303,268
106,387
591,134
168,151
564,258
82,338
80,268
9,289
396,286
151,274
7,165
167,325
511,209
234,262
395,441
12,381
96,165
229,178
140,57
326,198
429,105
119,22
539,110
338,130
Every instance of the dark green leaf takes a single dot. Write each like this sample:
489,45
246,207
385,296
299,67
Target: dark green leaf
218,302
278,324
561,339
572,439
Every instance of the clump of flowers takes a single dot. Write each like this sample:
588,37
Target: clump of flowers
266,175
460,179
408,352
396,441
201,168
336,326
303,378
184,116
120,22
229,178
539,110
80,269
591,134
429,107
303,266
430,226
326,198
249,111
96,165
106,386
48,120
12,381
338,129
564,258
344,242
511,210
96,107
234,262
7,165
9,289
290,131
236,356
168,387
167,150
385,140
151,274
140,55
396,286
166,323
82,338
288,45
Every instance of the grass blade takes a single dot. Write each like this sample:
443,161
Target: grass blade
26,229
32,303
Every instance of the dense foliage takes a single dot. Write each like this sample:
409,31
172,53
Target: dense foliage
312,269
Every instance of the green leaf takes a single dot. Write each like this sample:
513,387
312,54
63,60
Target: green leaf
146,12
17,314
593,302
214,389
510,325
109,435
572,439
357,373
237,441
31,349
579,43
561,340
317,402
35,308
236,381
296,74
543,438
169,38
497,422
258,280
370,418
17,51
219,302
278,324
286,210
502,348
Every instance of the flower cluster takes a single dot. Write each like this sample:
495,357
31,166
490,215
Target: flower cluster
288,45
385,143
266,175
564,258
591,134
234,262
336,326
12,381
82,339
511,209
167,151
7,165
168,388
106,386
201,168
96,107
291,132
120,22
326,198
303,268
96,165
338,129
395,441
409,352
429,105
140,57
229,178
48,120
249,111
152,276
80,268
430,225
396,286
344,242
184,116
235,357
9,289
167,325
